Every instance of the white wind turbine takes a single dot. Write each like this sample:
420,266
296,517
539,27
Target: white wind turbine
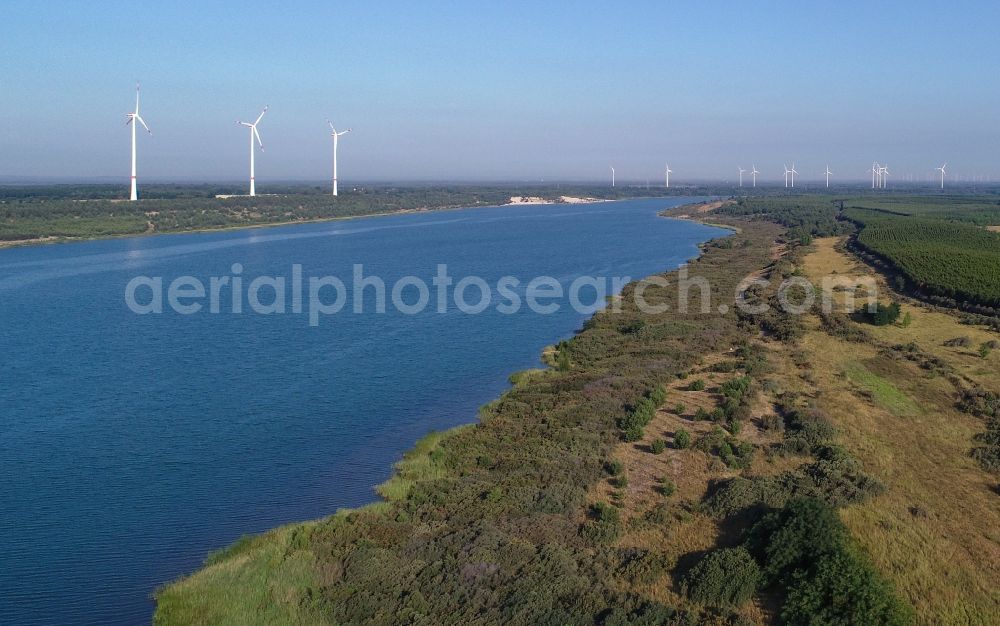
667,172
336,136
132,118
793,172
883,175
786,175
828,173
940,169
875,171
612,177
741,176
253,133
754,172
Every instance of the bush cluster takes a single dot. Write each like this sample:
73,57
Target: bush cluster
634,423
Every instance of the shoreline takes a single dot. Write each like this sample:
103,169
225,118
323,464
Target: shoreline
520,201
397,486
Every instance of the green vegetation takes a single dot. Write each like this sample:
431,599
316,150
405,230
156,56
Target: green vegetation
725,578
953,260
881,315
682,439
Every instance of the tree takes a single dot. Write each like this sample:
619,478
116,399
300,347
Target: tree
724,578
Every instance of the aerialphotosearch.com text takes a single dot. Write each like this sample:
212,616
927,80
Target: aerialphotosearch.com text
318,297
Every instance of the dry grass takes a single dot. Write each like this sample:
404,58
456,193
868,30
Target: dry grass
936,533
995,229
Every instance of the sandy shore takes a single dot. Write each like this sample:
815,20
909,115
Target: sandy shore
995,229
562,199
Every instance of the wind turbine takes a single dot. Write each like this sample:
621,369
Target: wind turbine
754,173
253,133
940,169
741,176
612,177
883,175
336,136
875,171
793,173
668,172
828,172
132,118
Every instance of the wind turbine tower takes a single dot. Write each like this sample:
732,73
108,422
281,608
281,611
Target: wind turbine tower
828,172
253,133
793,173
668,172
133,118
754,172
612,177
940,169
741,176
787,171
336,137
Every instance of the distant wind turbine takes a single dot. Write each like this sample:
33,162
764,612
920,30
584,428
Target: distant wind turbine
754,173
793,172
668,172
828,173
741,175
336,136
253,133
883,176
875,171
940,169
132,118
612,177
787,171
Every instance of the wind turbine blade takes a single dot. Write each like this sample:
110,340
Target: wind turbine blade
143,122
260,116
344,132
332,129
257,135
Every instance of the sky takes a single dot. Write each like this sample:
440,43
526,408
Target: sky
512,91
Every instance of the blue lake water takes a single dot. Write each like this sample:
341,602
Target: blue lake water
132,445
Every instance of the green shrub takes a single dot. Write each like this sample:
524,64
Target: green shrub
697,385
883,315
679,409
604,525
667,487
682,438
614,467
701,415
724,578
658,446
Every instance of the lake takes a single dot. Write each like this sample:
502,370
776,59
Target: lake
131,445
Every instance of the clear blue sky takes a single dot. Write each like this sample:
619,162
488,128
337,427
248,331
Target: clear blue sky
501,90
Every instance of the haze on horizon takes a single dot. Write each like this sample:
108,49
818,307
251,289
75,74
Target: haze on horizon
501,91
